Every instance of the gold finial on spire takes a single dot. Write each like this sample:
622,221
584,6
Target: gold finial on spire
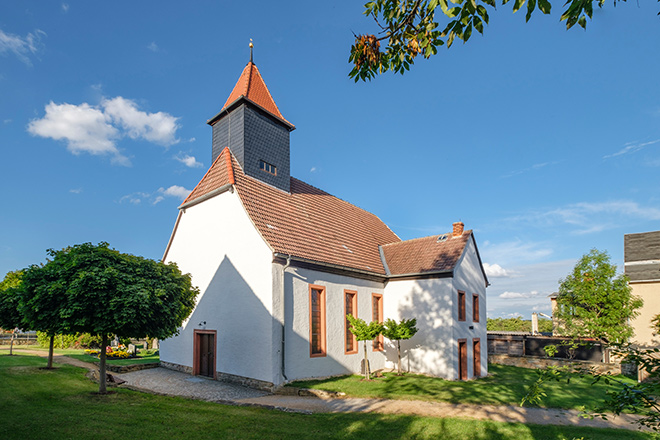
251,46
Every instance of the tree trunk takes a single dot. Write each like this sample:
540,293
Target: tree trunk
398,352
50,351
367,372
102,379
11,343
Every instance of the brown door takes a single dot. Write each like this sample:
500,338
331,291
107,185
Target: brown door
476,352
204,356
462,359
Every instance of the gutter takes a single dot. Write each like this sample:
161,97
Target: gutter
283,357
333,266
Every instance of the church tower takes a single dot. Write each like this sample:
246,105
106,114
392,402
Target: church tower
255,131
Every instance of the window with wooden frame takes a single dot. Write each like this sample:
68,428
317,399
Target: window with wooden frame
476,357
475,307
461,306
350,308
267,167
317,336
377,316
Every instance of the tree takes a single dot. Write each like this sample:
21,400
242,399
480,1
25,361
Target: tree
10,317
593,302
411,28
365,332
98,290
397,331
517,324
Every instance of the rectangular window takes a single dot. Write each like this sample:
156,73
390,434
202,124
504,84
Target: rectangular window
475,307
316,321
350,308
377,316
461,306
476,360
269,168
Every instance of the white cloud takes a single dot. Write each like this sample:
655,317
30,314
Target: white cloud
518,295
96,129
76,190
158,127
312,170
534,167
516,251
153,47
7,121
83,127
631,147
189,161
496,271
65,7
175,191
22,47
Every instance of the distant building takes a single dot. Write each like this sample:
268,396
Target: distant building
642,265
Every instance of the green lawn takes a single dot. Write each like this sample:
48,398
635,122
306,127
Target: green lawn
505,385
82,356
60,404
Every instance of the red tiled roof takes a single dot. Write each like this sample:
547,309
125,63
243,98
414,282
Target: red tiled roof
424,255
307,222
251,85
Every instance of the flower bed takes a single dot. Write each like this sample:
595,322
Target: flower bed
112,353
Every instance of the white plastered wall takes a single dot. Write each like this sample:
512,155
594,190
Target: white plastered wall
299,363
430,302
216,243
649,292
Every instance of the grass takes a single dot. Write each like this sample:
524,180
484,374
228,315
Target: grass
505,385
59,404
82,356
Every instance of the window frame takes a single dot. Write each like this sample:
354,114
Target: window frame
266,167
354,305
475,307
378,343
461,305
323,332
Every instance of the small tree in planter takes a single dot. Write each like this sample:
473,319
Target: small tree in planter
397,331
10,316
365,332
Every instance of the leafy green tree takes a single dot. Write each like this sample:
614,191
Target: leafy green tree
98,290
365,332
10,316
593,302
517,324
413,28
397,331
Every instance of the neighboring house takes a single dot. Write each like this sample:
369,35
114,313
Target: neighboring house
642,265
281,263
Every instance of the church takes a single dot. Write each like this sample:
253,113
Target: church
280,263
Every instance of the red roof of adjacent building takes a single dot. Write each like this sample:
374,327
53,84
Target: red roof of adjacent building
437,253
311,224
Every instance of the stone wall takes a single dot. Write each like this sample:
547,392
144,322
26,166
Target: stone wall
538,362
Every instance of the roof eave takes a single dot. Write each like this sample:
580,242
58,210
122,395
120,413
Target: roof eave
235,104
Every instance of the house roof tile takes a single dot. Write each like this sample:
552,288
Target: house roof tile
437,253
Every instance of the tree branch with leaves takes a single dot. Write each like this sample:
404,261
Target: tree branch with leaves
412,28
398,331
365,332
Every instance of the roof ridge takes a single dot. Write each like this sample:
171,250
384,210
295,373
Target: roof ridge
468,232
249,78
230,168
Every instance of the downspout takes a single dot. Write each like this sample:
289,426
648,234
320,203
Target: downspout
288,263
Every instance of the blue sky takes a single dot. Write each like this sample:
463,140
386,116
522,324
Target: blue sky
544,141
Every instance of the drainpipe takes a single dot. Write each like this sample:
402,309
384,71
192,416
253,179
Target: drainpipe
288,263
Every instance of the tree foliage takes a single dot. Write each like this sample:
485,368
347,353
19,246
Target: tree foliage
98,290
10,316
398,331
517,324
365,332
593,302
413,28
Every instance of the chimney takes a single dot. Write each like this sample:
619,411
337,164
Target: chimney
458,229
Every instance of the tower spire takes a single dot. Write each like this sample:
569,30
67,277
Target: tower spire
251,46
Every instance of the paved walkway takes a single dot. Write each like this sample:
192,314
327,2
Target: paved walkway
174,383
